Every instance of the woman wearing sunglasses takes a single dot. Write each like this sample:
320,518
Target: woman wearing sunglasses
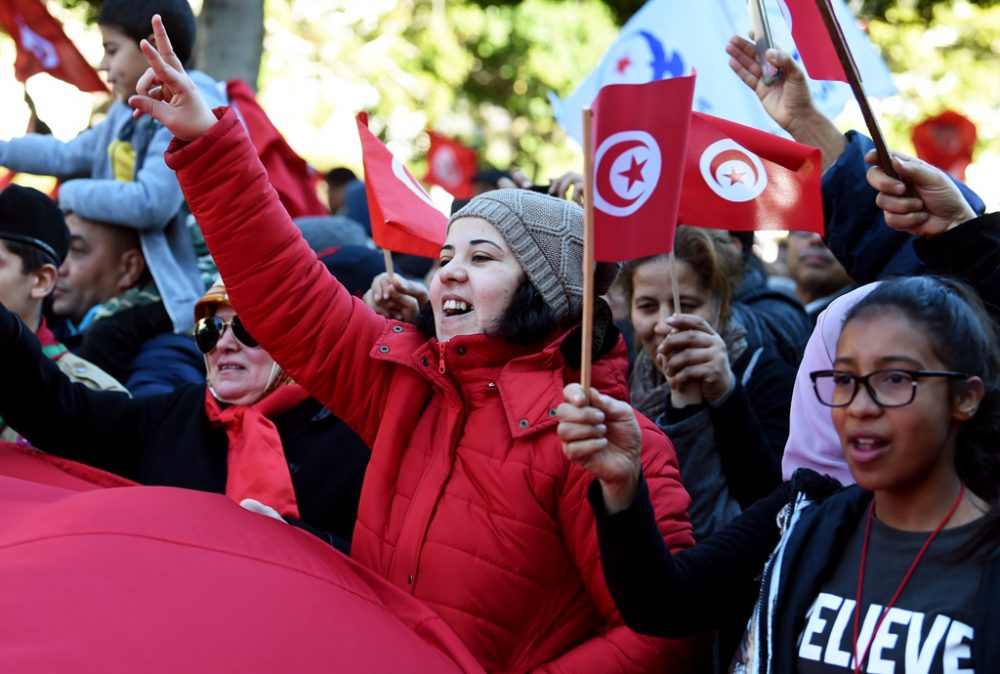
898,573
250,433
468,503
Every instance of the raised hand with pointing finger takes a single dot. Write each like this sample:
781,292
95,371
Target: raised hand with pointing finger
166,93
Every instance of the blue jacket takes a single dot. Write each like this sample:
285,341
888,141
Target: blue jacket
150,203
855,226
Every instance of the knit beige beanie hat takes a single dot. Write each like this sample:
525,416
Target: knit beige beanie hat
545,234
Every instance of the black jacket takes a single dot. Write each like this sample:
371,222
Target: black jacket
693,590
855,226
970,252
811,557
772,318
168,439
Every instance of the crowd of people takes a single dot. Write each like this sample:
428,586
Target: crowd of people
791,473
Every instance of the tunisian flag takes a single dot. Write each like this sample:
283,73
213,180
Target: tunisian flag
42,46
743,179
640,132
287,172
100,575
450,165
404,219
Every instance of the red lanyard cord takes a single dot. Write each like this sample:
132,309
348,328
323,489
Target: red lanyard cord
859,662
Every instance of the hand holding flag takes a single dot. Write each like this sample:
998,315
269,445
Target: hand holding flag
634,177
813,40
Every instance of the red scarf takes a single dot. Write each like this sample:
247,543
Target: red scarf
257,467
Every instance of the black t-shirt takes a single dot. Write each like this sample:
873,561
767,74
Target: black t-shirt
927,631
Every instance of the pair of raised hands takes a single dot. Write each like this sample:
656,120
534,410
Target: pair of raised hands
694,358
924,203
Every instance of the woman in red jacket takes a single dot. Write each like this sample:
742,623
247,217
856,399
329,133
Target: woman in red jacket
468,502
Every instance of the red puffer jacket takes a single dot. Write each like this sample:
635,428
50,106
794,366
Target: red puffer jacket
468,502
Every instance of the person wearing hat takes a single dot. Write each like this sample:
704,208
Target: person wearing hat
468,503
34,241
248,432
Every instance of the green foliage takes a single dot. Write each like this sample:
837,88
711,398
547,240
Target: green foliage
480,73
480,70
949,62
514,55
92,7
882,9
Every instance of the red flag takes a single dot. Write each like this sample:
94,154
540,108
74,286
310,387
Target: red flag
404,219
739,178
640,131
100,579
451,165
288,172
812,39
947,141
42,46
7,178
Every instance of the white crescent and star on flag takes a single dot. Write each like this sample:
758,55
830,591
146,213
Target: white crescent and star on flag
403,176
43,50
627,169
446,167
733,172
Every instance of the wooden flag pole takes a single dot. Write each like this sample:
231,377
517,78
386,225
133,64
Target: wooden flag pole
854,79
587,325
674,286
388,266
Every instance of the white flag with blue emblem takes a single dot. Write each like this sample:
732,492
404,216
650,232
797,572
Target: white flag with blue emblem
668,38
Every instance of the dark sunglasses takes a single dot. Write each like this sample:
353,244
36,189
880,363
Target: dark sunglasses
208,332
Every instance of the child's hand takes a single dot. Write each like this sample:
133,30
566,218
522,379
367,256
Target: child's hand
166,93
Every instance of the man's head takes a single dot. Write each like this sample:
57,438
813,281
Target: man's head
33,242
124,23
487,180
103,261
336,182
812,266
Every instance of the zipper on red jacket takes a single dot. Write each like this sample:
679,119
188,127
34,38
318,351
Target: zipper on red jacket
441,347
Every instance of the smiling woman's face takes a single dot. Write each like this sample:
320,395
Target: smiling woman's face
239,374
478,276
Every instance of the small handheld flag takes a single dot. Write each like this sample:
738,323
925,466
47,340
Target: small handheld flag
404,219
42,46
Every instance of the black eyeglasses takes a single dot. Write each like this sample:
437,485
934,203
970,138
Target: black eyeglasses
208,332
888,388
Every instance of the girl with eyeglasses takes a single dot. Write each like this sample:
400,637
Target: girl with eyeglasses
249,433
897,573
